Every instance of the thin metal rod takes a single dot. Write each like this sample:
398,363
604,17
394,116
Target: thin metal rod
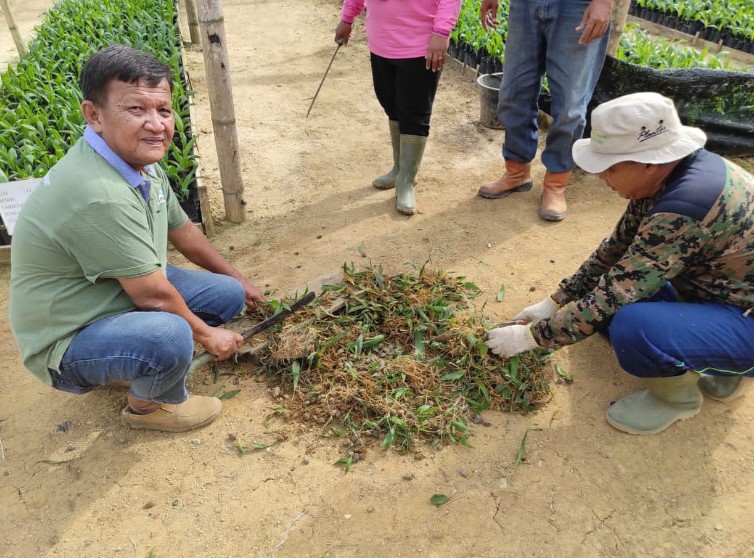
340,44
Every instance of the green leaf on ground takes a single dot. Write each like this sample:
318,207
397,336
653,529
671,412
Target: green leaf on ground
521,449
500,293
438,500
564,375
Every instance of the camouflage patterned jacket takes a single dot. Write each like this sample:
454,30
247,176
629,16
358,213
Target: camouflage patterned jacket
697,232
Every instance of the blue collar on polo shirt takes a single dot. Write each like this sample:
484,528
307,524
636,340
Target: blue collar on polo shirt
131,175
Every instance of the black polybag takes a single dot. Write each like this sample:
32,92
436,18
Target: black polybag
719,102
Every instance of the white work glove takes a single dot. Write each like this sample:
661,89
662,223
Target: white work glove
536,312
510,340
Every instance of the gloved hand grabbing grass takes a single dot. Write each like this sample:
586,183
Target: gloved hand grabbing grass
510,340
539,311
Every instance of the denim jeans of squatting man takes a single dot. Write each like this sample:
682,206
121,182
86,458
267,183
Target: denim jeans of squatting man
542,37
152,350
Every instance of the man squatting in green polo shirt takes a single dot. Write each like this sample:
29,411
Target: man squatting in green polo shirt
93,301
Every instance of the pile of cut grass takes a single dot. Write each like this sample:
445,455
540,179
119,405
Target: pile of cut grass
403,359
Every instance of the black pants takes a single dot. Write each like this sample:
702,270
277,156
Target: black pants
406,90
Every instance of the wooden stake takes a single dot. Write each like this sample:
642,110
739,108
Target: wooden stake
204,204
620,12
221,107
205,207
20,46
193,22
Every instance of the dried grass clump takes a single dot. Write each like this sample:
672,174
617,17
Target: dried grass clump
403,358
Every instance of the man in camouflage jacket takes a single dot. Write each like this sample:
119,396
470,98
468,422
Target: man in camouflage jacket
673,285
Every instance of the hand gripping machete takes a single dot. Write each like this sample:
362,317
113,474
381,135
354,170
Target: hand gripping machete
205,357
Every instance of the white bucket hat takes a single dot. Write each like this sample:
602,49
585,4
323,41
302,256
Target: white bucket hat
641,127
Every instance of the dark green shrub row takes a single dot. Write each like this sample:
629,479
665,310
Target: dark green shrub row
469,30
639,48
635,45
40,116
715,20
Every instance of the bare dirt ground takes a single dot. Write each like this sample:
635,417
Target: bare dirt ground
584,489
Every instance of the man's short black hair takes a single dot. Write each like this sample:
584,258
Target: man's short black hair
124,64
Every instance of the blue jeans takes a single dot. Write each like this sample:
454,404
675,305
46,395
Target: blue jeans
542,37
152,350
663,337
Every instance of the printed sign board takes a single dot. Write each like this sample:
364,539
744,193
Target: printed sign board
12,198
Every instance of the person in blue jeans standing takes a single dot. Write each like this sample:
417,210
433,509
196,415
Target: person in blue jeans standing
93,301
567,40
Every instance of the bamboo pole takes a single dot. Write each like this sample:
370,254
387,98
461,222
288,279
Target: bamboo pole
620,13
193,21
20,46
205,206
221,107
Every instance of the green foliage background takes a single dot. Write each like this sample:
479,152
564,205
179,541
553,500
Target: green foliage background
635,45
40,116
734,16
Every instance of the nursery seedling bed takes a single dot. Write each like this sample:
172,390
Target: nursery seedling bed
741,58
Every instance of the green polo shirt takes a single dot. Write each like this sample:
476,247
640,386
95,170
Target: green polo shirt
82,229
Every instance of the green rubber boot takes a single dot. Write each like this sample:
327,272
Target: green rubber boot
652,410
387,180
725,388
412,151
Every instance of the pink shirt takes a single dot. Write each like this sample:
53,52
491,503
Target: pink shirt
402,28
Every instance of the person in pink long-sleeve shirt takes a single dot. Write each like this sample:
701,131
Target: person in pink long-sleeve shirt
408,41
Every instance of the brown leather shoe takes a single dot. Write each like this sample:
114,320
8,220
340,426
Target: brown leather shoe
517,178
552,205
195,412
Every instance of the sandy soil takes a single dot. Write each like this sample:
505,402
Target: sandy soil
99,489
26,14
